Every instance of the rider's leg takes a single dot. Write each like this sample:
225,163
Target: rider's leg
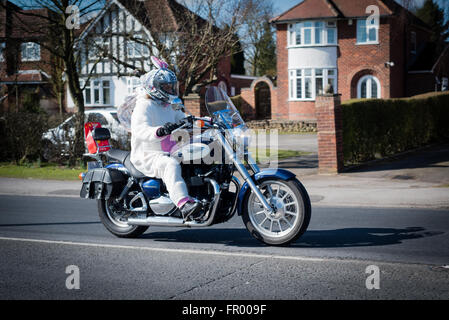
169,170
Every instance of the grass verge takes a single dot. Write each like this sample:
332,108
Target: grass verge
281,154
36,171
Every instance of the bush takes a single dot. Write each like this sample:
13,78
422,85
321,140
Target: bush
377,128
21,135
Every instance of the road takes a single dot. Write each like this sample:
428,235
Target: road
41,236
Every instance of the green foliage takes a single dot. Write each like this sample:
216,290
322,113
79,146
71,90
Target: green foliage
377,128
265,64
30,103
21,134
433,15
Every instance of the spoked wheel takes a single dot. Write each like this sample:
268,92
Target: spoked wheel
290,218
114,217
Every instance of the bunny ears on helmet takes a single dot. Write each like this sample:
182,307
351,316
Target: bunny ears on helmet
158,63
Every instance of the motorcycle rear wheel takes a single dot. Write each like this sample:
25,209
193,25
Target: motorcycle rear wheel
291,219
110,218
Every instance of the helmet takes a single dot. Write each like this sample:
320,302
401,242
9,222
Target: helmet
161,84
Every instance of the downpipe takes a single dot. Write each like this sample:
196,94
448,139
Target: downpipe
162,221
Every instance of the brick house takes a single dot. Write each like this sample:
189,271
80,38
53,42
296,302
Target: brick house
331,42
25,66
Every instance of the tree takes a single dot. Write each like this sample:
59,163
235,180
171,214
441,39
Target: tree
256,34
54,23
433,15
266,48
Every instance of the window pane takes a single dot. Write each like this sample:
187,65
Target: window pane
307,36
372,34
331,82
318,33
299,88
88,100
318,72
361,31
96,96
298,72
307,24
307,72
106,98
330,72
363,89
298,33
330,35
106,83
308,88
373,89
319,86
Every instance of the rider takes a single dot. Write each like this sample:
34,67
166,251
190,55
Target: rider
152,122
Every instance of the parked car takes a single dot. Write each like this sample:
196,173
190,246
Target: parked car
56,141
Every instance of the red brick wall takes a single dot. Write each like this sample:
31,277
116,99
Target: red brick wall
355,61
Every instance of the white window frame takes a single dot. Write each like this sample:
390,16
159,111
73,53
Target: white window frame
30,51
367,32
369,79
132,83
293,80
100,88
300,27
2,51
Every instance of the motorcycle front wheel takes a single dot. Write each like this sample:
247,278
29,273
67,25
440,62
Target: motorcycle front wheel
112,215
291,217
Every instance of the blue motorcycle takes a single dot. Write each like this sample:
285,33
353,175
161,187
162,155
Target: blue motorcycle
273,204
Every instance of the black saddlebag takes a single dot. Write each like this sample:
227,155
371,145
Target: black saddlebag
102,183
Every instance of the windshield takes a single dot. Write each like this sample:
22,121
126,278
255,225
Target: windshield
222,109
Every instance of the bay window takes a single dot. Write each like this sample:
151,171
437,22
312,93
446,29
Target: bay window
310,33
306,84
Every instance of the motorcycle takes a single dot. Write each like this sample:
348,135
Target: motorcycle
273,204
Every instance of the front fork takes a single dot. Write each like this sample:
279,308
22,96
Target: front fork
243,171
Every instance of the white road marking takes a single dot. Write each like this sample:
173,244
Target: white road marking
207,252
168,250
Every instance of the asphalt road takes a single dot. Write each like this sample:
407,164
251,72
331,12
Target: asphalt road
41,236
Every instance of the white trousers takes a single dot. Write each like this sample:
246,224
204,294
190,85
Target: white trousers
169,170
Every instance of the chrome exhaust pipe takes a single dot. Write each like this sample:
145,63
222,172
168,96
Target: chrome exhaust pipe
162,221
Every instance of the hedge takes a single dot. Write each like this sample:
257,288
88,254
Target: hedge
377,128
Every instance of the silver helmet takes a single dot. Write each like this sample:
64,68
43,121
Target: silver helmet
161,84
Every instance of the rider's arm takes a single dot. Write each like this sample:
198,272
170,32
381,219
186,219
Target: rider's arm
141,124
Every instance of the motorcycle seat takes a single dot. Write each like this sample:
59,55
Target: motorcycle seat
124,158
117,154
132,170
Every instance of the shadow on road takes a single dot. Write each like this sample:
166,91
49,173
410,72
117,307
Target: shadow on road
347,237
